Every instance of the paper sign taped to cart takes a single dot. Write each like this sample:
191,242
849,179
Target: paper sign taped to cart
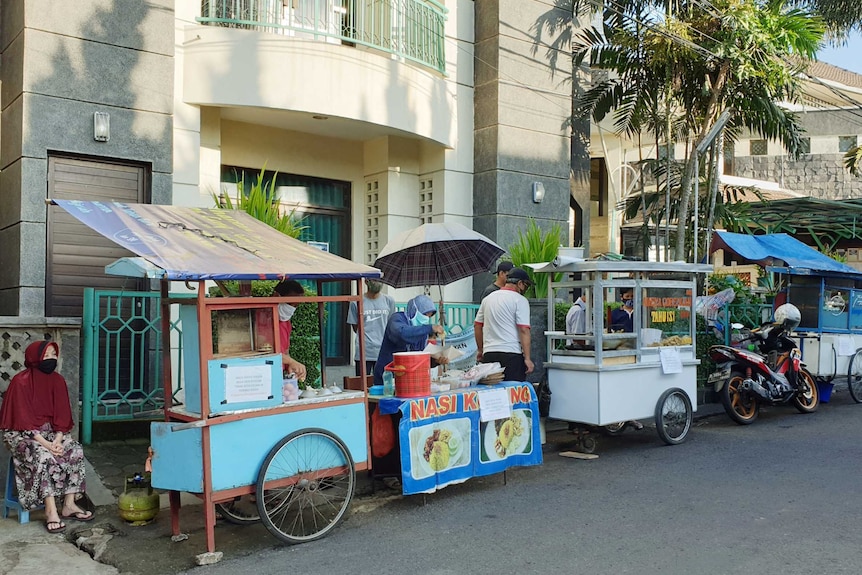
247,383
670,360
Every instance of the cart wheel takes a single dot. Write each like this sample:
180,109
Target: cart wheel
588,443
305,485
854,377
240,511
673,416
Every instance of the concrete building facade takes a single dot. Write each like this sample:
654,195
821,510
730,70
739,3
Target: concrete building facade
370,124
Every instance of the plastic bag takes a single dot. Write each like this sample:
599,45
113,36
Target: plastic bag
708,305
382,434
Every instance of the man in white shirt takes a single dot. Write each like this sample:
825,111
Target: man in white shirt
576,320
502,327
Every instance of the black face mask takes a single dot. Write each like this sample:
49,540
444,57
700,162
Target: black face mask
47,365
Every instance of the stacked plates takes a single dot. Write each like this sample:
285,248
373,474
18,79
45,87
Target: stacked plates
492,378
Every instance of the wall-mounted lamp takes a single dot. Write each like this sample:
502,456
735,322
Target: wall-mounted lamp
101,126
538,192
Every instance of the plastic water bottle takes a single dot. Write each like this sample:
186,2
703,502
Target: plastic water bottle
388,384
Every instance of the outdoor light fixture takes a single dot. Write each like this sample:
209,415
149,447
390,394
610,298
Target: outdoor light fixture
101,126
538,192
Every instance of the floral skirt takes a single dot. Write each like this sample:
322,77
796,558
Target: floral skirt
38,474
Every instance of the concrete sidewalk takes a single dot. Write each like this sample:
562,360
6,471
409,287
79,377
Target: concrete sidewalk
30,550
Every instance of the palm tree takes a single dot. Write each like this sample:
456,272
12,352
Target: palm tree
840,16
684,69
853,160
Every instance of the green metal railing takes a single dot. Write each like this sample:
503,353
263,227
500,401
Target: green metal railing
122,357
459,316
750,315
409,29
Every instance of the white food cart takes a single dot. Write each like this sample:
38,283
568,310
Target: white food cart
607,376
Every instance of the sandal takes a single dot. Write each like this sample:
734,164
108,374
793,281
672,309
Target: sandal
392,482
82,516
59,526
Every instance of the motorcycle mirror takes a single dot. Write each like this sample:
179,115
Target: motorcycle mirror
737,326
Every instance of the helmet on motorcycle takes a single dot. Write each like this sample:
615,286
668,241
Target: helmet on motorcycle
788,316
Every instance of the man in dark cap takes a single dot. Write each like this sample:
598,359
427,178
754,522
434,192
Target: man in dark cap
502,327
502,269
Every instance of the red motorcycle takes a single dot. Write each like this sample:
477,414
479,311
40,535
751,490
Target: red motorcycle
769,372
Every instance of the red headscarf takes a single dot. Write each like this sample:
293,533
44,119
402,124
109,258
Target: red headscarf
34,397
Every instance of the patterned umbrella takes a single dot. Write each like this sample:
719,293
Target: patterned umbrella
436,254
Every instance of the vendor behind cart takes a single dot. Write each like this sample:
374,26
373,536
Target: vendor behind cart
288,288
409,331
502,327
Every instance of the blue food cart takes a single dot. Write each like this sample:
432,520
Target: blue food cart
828,294
237,440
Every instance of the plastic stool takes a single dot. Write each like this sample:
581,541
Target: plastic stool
10,499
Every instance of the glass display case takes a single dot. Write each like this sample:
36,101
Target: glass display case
638,349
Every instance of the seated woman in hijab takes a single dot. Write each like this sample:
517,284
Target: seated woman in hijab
36,418
408,331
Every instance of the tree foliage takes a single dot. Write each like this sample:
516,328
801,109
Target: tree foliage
672,73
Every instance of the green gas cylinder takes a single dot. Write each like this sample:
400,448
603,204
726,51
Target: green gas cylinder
138,503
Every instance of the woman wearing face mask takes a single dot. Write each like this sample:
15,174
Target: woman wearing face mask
288,288
408,331
36,419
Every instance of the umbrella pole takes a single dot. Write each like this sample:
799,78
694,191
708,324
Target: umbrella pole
442,322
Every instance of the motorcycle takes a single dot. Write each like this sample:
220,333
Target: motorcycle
769,372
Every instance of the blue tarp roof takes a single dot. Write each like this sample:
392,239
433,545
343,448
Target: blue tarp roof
780,250
211,244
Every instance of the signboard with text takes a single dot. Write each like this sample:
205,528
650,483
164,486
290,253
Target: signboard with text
446,439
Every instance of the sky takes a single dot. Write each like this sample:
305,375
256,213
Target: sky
848,57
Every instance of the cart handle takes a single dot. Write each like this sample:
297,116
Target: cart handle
189,425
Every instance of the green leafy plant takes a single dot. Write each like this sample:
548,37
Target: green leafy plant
706,338
259,288
305,339
260,201
741,289
537,246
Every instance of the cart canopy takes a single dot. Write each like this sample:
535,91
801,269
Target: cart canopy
780,252
182,243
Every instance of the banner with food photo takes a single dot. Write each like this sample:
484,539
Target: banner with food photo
450,438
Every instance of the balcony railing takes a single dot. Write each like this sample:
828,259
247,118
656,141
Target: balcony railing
409,29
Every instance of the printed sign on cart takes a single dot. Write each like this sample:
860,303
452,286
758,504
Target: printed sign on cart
247,383
444,441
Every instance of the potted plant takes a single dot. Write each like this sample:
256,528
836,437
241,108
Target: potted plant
537,246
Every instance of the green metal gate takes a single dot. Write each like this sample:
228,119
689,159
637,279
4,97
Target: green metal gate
122,357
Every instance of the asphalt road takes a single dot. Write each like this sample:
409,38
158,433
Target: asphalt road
779,496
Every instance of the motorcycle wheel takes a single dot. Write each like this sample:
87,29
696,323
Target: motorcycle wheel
854,377
807,398
741,407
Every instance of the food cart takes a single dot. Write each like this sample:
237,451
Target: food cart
830,333
828,294
605,376
237,433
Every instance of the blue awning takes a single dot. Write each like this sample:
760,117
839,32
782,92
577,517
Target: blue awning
211,244
780,251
